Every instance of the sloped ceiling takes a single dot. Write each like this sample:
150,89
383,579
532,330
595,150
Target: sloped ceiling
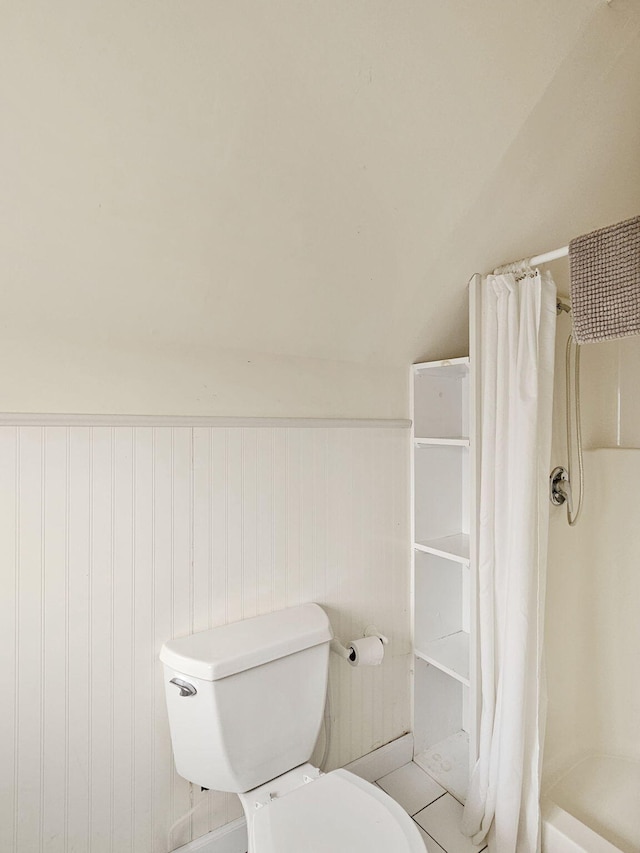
298,180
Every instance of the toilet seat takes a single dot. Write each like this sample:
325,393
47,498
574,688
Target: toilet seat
335,813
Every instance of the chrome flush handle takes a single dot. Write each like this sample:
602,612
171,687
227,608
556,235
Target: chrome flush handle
186,689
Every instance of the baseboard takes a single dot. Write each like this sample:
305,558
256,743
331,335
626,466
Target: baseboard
232,837
384,760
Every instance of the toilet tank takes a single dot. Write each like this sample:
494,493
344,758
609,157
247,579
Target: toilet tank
252,698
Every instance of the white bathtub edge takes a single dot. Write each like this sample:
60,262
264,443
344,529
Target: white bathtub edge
563,833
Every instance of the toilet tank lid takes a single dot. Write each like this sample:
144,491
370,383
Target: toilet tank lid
229,649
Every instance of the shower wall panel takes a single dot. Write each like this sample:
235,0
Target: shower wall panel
593,589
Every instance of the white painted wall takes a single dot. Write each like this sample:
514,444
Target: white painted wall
53,375
592,629
272,209
114,539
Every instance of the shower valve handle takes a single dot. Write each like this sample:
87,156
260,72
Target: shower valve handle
565,489
560,488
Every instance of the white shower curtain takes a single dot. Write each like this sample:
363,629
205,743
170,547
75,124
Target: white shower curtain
516,395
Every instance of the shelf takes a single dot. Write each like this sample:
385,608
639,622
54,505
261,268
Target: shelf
449,654
451,367
454,547
448,763
440,478
441,442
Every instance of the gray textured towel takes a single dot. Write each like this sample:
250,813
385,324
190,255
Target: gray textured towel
605,282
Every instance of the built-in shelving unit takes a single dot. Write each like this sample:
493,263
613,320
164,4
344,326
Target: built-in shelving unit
440,442
448,761
445,699
455,547
450,654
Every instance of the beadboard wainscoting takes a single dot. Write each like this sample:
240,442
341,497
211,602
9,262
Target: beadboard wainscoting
115,538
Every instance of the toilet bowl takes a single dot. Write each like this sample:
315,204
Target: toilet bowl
245,704
334,813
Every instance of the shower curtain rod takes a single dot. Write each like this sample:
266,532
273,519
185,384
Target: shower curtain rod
550,256
553,256
545,259
541,259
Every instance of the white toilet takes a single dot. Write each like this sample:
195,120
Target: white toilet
245,705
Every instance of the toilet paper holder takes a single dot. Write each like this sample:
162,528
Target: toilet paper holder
346,652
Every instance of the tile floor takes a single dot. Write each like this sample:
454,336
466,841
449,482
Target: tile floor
437,813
